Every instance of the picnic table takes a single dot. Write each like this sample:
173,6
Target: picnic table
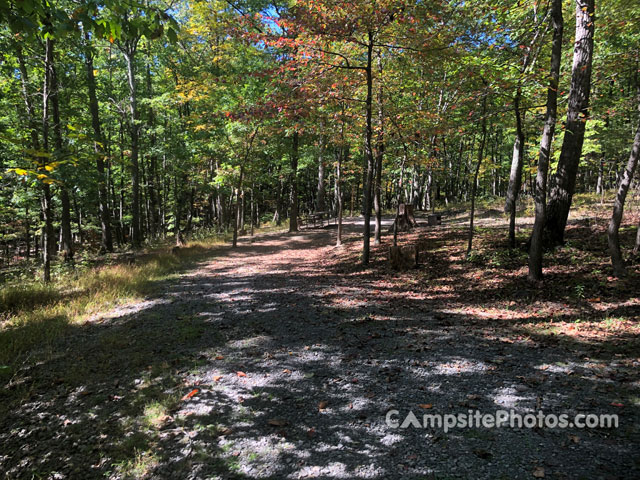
315,217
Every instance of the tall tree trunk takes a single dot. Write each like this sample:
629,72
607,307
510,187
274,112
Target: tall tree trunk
65,220
33,129
47,213
129,50
341,151
27,232
369,158
154,220
377,201
253,208
177,211
321,194
293,199
237,209
106,238
474,187
535,248
618,206
636,248
564,181
515,177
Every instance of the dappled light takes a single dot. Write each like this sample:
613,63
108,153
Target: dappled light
283,368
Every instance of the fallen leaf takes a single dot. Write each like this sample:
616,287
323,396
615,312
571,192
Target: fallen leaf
322,405
574,438
426,406
219,357
276,422
217,378
538,472
190,394
286,370
616,404
241,374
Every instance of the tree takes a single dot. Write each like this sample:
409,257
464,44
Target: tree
621,195
106,239
536,244
564,180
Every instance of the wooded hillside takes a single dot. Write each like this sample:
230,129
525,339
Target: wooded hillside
124,122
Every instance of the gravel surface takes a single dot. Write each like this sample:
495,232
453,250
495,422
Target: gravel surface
273,361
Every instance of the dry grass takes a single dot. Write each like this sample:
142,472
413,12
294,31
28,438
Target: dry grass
33,316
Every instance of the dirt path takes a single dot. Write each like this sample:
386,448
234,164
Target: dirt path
274,361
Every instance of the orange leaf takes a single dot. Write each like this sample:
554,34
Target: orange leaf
190,394
219,357
217,378
426,406
242,374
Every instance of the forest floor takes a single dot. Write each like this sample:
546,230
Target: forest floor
281,358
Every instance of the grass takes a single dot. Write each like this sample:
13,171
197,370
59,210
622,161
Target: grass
33,316
139,466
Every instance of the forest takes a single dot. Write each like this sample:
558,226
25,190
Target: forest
201,191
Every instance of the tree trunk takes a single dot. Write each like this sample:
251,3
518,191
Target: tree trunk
564,181
339,192
474,187
33,131
618,206
129,51
515,177
65,220
370,163
47,214
293,199
320,198
253,208
154,220
27,232
177,211
106,239
377,205
535,248
636,248
237,210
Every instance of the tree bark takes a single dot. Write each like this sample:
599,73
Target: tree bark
154,220
129,50
474,187
370,162
626,178
293,198
636,248
320,197
515,177
564,181
377,201
106,239
33,131
339,192
237,209
54,96
535,248
47,213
